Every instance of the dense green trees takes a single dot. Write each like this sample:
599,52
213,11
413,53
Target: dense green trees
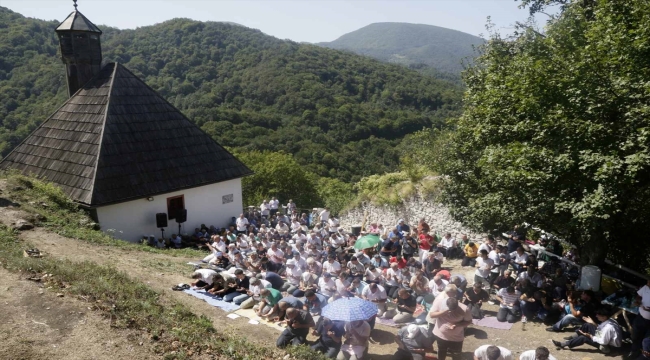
556,132
339,114
278,174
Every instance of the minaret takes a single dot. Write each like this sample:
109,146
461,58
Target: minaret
81,51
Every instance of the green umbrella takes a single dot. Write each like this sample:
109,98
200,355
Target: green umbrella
367,241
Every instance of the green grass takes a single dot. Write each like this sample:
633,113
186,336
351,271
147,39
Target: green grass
177,332
62,216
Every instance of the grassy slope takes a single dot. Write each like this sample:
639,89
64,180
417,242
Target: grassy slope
129,303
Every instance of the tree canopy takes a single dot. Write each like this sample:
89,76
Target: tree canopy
556,132
339,114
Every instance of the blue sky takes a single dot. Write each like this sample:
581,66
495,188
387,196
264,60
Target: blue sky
298,20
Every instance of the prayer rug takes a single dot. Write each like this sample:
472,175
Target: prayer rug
492,322
391,323
210,299
250,314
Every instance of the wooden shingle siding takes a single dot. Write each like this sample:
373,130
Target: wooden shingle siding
117,140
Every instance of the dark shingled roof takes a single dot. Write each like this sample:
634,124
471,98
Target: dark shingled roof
116,140
76,21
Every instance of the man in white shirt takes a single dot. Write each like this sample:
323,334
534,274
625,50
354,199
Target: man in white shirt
332,266
376,294
282,229
295,226
447,246
641,324
509,309
492,352
242,224
437,285
265,209
204,278
273,205
274,254
324,215
483,269
518,259
293,274
532,276
327,286
333,224
605,336
255,286
541,353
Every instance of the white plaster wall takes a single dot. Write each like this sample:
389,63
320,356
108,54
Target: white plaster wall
130,220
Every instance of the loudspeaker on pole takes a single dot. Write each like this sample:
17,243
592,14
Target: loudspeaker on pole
161,220
181,216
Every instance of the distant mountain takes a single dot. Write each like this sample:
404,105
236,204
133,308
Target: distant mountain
339,114
410,45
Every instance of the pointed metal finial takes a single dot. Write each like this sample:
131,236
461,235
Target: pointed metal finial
75,4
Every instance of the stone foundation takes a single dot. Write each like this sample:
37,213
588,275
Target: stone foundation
412,210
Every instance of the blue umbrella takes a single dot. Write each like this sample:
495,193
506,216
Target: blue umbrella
350,309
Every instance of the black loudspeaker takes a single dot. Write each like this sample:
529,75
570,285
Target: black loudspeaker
161,220
181,216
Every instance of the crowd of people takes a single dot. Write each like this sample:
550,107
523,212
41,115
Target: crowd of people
288,266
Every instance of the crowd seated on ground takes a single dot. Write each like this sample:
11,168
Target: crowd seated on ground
289,266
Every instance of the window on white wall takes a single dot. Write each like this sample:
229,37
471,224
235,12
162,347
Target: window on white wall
174,205
227,199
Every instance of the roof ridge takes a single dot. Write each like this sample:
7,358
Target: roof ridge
101,135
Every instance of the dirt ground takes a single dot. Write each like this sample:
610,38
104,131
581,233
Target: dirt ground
36,324
161,272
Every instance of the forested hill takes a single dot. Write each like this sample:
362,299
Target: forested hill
411,45
340,114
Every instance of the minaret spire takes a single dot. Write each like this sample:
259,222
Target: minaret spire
81,50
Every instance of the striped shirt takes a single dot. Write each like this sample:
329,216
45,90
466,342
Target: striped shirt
509,298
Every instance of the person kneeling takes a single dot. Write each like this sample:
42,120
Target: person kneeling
509,309
298,324
406,304
329,338
414,342
604,336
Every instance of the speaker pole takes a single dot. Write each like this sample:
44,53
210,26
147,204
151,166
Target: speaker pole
163,233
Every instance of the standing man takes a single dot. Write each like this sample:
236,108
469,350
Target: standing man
484,267
242,224
451,320
641,324
324,216
265,210
273,205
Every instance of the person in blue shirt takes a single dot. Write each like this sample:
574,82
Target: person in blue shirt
402,228
395,233
329,337
390,247
378,262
